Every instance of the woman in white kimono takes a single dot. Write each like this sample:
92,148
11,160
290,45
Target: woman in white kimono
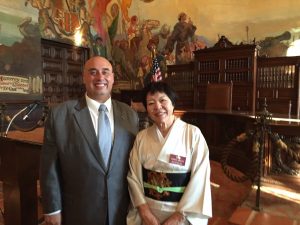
169,176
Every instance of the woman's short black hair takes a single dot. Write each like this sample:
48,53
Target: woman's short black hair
161,87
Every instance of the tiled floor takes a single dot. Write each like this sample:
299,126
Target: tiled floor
228,196
277,207
276,202
246,216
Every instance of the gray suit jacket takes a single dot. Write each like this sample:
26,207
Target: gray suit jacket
73,176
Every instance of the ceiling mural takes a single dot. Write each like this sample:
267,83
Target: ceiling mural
128,31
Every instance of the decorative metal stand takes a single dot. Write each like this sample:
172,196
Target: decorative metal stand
261,132
263,120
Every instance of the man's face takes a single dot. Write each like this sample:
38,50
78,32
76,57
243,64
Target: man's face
98,78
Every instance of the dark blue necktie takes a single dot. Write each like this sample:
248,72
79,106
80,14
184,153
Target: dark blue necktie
104,134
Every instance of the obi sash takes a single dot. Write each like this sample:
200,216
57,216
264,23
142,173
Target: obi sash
165,186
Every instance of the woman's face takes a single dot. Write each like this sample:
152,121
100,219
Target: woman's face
160,108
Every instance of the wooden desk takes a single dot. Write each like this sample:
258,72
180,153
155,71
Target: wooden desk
19,172
220,127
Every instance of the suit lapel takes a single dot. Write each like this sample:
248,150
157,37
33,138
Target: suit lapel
85,124
119,120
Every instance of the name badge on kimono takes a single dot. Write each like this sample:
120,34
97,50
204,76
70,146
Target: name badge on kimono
177,159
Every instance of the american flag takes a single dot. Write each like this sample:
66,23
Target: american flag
155,71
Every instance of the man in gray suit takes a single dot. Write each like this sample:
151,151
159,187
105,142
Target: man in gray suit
78,187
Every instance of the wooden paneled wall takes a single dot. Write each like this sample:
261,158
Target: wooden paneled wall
62,66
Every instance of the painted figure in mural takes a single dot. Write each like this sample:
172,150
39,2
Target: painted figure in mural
29,29
162,37
100,22
129,59
134,37
183,31
99,48
133,29
85,22
119,60
145,37
46,24
118,18
143,69
116,29
108,20
122,60
81,184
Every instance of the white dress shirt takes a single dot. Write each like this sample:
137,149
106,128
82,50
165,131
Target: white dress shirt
93,108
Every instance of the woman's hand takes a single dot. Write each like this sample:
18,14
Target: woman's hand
147,216
175,219
54,219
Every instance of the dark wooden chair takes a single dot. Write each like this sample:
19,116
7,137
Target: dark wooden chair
219,96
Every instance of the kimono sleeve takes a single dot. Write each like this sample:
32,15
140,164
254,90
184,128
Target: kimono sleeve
134,177
196,200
